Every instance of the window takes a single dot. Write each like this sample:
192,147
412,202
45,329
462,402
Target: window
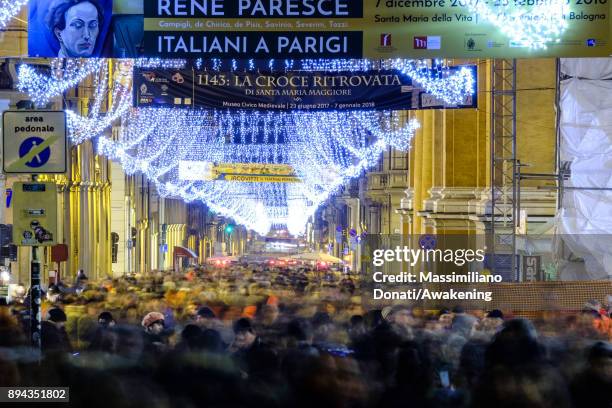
399,160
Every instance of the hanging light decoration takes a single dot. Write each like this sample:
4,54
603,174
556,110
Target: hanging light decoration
325,149
526,26
435,78
65,74
10,9
101,114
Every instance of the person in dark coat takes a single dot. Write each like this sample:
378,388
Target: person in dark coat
102,338
592,387
250,353
53,333
155,334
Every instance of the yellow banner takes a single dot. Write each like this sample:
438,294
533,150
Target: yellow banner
261,169
375,29
254,173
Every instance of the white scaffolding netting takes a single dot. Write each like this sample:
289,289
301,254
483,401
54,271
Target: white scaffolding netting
585,219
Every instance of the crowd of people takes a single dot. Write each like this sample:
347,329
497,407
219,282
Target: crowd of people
254,336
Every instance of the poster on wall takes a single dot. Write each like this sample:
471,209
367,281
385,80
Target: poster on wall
295,90
70,28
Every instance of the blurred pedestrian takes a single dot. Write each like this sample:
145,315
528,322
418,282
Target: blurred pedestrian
155,339
53,333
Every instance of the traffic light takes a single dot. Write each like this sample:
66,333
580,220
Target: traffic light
229,228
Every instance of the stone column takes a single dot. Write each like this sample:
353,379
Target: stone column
417,175
427,172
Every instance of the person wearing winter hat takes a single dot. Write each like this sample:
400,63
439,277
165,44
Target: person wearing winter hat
153,323
400,320
398,314
154,338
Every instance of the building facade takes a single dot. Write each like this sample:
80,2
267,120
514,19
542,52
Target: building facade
112,224
442,185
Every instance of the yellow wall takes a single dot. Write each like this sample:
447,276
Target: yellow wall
536,135
451,151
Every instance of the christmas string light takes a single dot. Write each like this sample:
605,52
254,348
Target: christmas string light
532,27
10,9
65,74
325,150
86,127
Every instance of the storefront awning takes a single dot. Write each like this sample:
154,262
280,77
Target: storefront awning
185,252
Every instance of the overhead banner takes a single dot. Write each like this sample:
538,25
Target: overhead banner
300,90
241,172
275,29
373,29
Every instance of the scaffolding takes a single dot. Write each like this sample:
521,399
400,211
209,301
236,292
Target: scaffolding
504,184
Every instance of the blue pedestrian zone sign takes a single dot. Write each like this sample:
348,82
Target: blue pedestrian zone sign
37,149
34,142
